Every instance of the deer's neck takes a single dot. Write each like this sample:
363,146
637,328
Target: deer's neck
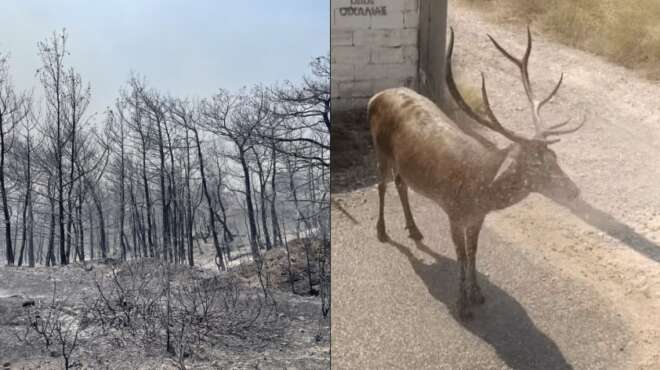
510,189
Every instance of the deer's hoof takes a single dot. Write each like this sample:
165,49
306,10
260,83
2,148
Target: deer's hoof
477,298
383,237
414,234
465,314
463,309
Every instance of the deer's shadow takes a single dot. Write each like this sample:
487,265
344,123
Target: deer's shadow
613,227
501,322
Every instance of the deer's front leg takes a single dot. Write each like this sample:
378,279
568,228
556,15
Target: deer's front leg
380,225
385,171
462,304
402,189
471,242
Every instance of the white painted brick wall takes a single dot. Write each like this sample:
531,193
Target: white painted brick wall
385,37
372,52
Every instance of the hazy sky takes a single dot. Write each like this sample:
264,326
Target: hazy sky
187,48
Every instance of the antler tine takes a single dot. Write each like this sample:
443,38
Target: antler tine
552,131
525,68
495,123
492,122
536,105
558,125
515,60
523,65
554,91
453,89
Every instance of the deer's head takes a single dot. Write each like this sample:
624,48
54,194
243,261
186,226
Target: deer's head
528,161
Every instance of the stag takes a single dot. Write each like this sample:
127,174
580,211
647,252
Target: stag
468,176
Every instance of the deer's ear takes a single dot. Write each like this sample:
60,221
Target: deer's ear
509,165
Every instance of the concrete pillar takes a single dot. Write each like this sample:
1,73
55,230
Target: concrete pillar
432,45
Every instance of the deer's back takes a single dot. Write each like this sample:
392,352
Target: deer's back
424,146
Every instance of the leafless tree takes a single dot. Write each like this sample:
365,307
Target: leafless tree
187,117
14,108
237,118
155,175
304,110
52,74
76,100
23,155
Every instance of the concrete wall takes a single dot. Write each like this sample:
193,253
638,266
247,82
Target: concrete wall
432,39
374,45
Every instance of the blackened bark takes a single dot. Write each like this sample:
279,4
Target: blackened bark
262,198
189,209
74,120
220,258
80,246
277,233
50,256
163,192
250,208
31,260
147,197
3,190
91,233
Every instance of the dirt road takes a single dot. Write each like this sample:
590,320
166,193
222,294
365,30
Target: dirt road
566,286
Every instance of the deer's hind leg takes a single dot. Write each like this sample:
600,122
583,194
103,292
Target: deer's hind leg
385,175
471,243
458,235
402,189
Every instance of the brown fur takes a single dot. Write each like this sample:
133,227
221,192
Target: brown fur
420,147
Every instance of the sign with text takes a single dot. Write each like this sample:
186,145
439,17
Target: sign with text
363,8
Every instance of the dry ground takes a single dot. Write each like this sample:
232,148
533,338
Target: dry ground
292,334
575,286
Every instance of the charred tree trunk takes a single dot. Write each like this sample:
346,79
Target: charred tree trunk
209,201
24,228
277,233
52,54
262,198
74,120
31,260
122,189
3,191
50,256
28,217
227,235
80,247
163,193
138,223
172,196
103,244
60,195
147,198
91,232
189,209
250,208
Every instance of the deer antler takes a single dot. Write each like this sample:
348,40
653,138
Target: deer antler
491,121
523,64
552,130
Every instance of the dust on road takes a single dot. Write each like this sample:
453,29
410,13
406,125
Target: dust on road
394,302
575,285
